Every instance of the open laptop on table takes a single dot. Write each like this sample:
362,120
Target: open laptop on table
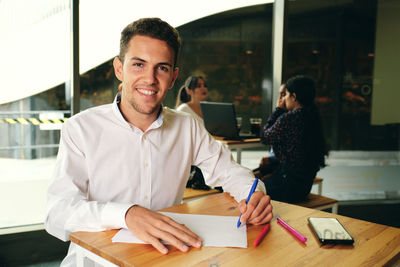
220,120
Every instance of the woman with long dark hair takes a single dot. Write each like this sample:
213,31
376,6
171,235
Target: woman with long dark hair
192,92
294,130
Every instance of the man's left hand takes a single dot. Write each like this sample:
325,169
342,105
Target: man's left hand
258,210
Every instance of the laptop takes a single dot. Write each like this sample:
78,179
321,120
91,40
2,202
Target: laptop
220,119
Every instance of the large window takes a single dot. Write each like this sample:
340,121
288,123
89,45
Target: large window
232,51
29,125
333,42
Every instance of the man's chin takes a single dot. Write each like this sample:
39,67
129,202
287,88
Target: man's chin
148,110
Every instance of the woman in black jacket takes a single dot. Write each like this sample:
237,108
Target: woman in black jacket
294,130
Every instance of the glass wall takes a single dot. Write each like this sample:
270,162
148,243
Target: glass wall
29,126
232,50
333,42
98,86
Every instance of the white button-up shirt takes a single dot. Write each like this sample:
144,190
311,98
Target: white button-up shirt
185,108
105,165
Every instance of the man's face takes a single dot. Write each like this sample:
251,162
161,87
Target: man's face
146,75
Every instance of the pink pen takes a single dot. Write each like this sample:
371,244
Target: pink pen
291,230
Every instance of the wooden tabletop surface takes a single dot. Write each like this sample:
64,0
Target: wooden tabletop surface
375,244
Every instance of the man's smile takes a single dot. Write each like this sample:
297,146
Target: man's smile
146,91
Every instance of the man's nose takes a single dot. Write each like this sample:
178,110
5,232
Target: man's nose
150,76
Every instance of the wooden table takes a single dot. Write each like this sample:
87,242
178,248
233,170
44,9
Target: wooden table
241,144
375,244
192,194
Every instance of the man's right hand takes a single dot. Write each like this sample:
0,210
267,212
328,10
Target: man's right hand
152,227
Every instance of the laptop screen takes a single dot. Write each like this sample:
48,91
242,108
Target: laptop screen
220,119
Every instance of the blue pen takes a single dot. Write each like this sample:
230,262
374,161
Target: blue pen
248,198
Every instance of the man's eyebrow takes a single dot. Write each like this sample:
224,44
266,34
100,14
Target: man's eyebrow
137,58
142,60
165,63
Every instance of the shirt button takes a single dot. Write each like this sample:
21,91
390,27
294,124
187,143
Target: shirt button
144,137
146,164
145,197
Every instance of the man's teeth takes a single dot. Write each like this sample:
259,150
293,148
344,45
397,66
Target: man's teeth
147,92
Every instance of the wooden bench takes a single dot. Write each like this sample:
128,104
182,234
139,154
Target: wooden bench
192,194
319,202
318,182
314,201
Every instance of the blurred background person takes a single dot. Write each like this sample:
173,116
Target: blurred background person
294,130
268,165
192,92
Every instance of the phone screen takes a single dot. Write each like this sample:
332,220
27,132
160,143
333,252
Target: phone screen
330,231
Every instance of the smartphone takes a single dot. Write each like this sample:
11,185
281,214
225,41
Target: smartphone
330,231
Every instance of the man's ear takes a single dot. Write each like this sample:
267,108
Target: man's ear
118,68
294,96
174,76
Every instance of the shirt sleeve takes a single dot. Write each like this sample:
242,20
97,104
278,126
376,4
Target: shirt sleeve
220,169
68,206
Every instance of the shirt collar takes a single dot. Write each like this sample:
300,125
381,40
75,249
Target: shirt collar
117,100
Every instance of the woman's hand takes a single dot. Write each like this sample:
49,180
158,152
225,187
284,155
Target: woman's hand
281,103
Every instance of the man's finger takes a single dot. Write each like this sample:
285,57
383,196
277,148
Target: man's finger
242,206
249,210
267,219
182,228
261,218
261,206
155,242
176,234
170,239
258,202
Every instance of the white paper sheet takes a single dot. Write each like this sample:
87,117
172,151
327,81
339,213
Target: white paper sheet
216,231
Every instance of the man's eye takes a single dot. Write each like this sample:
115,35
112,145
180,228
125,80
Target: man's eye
137,64
163,68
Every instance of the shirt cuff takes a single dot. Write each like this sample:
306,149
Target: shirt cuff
261,187
113,215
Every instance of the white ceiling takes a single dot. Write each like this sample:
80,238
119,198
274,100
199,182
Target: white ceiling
34,48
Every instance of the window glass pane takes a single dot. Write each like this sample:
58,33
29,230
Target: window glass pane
29,126
232,50
98,86
333,42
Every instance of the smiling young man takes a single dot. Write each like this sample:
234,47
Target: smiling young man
117,163
147,73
